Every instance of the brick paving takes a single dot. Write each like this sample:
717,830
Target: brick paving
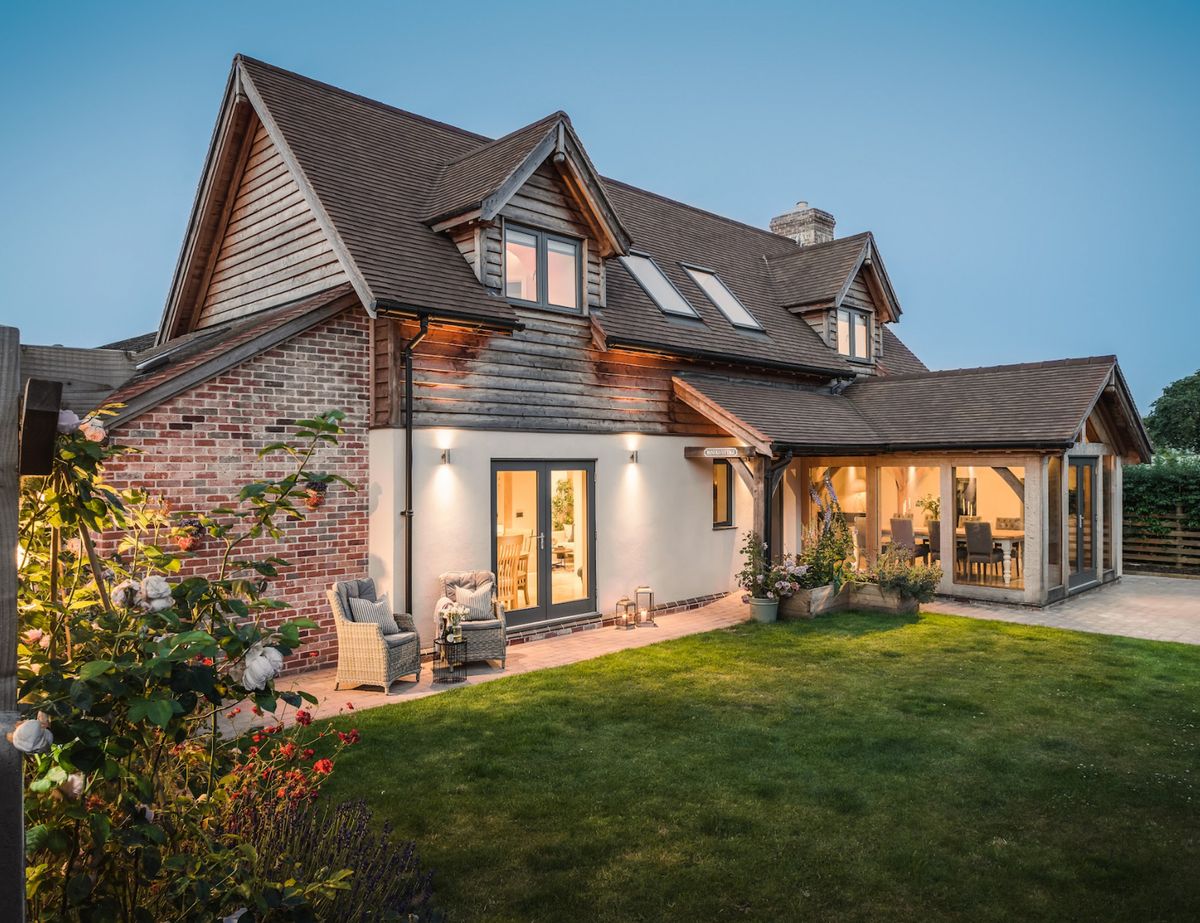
1157,608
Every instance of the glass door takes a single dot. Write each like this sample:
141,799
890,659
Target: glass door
1081,521
544,549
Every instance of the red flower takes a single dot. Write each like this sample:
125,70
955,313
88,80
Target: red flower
308,753
350,706
257,738
206,661
323,767
233,712
303,718
288,750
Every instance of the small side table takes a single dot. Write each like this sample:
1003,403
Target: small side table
448,660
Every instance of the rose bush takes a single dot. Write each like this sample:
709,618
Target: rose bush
137,797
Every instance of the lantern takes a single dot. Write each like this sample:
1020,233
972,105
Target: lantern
645,606
625,613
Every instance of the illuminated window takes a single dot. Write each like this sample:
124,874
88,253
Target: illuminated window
657,286
722,494
720,295
854,333
541,268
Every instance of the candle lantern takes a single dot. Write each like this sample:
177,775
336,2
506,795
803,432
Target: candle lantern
625,613
645,606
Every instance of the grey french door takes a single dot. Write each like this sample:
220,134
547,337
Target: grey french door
544,538
1081,521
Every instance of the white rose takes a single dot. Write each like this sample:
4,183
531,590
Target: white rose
72,786
33,735
262,665
155,594
68,421
126,593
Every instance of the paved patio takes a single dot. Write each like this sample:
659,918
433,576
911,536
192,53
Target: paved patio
1157,608
522,658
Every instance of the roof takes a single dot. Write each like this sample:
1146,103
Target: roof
376,175
1030,405
816,274
134,344
897,358
467,181
186,361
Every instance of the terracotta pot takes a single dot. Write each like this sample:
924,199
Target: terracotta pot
764,610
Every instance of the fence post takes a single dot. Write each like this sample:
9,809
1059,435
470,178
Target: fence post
12,819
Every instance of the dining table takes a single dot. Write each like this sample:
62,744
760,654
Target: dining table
1007,539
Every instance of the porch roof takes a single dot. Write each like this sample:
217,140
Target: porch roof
1030,405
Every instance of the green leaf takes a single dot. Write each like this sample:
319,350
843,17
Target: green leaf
160,712
95,668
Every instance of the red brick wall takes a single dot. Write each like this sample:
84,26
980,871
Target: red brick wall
201,446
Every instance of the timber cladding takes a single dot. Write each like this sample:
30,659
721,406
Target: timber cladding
550,376
199,447
272,249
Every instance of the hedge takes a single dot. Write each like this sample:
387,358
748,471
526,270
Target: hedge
1171,483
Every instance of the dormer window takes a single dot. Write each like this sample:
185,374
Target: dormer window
854,334
541,268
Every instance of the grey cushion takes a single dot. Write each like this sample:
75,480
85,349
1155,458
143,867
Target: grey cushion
478,602
350,589
469,579
400,637
366,610
479,624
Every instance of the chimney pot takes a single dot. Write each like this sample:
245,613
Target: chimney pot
805,225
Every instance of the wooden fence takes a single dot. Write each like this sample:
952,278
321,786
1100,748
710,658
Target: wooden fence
1177,550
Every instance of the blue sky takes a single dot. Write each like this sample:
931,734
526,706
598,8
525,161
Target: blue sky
1031,171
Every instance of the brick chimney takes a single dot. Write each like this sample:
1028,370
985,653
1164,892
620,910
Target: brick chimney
805,225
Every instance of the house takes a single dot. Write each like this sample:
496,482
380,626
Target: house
579,384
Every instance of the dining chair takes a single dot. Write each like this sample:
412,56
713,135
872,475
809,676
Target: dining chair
903,535
981,549
508,554
1013,524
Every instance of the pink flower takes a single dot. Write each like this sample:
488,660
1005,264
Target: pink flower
38,637
93,431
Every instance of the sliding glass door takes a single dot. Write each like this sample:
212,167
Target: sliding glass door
544,548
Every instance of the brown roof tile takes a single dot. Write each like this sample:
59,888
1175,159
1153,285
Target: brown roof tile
817,273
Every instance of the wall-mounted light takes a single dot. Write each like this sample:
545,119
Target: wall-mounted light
633,457
445,456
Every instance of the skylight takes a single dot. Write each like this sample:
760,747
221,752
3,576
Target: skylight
657,285
720,295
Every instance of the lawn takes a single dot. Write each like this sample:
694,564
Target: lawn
853,768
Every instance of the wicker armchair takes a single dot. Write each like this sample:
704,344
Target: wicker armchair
486,639
366,656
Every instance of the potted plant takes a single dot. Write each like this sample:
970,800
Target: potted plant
896,583
932,506
766,583
453,616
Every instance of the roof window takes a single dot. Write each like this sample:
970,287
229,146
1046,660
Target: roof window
647,274
720,295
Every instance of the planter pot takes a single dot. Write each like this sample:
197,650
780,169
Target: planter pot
764,610
813,602
869,597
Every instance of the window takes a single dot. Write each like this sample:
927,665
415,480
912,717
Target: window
720,295
541,268
722,494
647,274
854,333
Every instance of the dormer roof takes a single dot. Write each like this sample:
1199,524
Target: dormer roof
820,275
479,184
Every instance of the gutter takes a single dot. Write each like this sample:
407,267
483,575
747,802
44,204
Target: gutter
407,512
723,358
884,448
396,309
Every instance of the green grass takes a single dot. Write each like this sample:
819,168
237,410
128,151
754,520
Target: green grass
853,768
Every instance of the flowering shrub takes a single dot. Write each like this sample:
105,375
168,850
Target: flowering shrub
896,570
827,547
137,805
763,580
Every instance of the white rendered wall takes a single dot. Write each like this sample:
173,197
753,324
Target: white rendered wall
653,517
